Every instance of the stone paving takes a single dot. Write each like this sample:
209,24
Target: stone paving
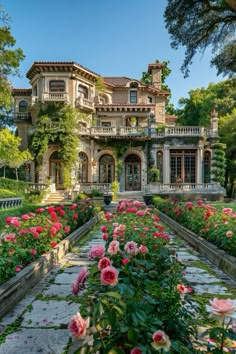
45,312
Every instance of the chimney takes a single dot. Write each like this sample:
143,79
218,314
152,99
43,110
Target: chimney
155,70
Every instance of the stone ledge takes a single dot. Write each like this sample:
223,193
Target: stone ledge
16,288
220,258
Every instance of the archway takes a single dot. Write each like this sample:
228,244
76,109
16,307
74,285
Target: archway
132,173
106,169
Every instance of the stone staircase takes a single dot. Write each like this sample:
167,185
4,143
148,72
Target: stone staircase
56,197
132,195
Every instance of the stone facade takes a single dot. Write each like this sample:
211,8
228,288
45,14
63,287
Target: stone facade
127,134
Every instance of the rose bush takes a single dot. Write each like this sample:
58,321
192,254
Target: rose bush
217,227
135,297
25,238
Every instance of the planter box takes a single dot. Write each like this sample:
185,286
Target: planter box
220,258
16,288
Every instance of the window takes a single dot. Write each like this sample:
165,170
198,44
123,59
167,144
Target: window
83,167
149,99
57,86
23,106
133,98
183,166
82,91
106,124
207,167
106,169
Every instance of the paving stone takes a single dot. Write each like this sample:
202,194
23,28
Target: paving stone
185,256
58,290
203,278
210,289
74,269
49,313
34,341
194,270
65,278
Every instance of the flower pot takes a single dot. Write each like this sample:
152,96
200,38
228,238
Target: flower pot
107,199
148,199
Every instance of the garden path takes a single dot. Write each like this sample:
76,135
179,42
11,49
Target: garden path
45,312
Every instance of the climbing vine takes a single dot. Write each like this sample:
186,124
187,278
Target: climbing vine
56,124
218,163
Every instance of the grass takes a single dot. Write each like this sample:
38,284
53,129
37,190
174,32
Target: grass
220,205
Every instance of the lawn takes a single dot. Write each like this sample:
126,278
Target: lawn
220,205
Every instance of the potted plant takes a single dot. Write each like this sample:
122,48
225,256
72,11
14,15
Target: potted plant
107,198
133,121
154,175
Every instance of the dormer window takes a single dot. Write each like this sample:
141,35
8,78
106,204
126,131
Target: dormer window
23,106
82,91
56,86
133,85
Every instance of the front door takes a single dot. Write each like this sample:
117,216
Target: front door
56,167
132,173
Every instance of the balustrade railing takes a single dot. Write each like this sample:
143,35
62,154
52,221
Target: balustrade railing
55,96
103,131
22,116
182,187
10,202
88,187
84,102
37,186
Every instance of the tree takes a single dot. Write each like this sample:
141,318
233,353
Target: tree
9,63
10,153
196,109
200,24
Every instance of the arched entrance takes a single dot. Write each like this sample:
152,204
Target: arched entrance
56,166
132,173
83,167
106,169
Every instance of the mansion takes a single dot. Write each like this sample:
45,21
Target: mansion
124,133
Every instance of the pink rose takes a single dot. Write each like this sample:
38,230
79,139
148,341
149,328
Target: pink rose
125,261
141,213
105,236
25,217
161,341
143,249
137,203
103,263
97,251
136,351
33,252
122,227
113,247
78,326
109,276
220,308
227,210
78,284
182,289
17,269
104,228
229,233
131,247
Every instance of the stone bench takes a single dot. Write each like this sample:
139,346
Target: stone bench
10,202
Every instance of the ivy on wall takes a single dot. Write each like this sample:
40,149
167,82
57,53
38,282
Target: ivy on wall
218,163
56,124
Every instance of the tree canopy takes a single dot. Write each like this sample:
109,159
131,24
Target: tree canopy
10,59
201,24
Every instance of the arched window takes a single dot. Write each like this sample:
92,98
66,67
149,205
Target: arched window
207,167
82,91
83,167
133,85
23,105
160,164
106,169
56,86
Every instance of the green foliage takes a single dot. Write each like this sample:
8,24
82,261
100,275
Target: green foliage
154,175
56,124
35,196
5,193
9,60
19,187
197,108
115,189
100,85
80,196
198,25
96,193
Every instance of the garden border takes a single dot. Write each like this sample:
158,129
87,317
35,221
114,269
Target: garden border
220,258
16,288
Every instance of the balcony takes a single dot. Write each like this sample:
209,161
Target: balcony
180,131
115,132
189,188
55,96
22,117
84,103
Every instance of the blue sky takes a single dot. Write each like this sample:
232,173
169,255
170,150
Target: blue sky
112,38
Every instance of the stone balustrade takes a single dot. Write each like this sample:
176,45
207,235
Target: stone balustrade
55,96
159,188
10,202
88,187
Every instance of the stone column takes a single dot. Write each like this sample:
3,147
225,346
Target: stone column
199,164
166,164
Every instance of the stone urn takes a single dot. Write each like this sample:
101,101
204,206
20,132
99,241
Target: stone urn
107,198
148,199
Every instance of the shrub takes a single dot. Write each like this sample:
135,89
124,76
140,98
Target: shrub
5,193
19,186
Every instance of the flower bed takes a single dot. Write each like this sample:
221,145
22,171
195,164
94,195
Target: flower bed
25,238
135,301
217,227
